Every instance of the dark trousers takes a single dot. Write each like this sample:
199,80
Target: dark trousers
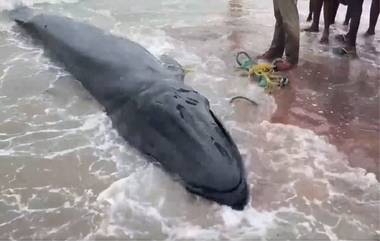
374,15
330,9
356,8
287,30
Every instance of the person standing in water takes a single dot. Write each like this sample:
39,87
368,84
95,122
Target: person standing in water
330,8
311,11
349,40
355,11
286,36
374,15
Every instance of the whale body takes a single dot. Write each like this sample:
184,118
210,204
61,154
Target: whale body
149,105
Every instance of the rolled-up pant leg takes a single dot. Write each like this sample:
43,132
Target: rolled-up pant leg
278,42
291,27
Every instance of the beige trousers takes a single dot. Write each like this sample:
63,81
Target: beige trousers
287,30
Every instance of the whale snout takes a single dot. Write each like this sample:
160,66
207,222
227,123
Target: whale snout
194,145
236,198
221,178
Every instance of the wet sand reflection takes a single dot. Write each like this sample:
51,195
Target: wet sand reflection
335,97
338,99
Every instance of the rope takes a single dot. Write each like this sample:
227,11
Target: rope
243,98
246,63
262,73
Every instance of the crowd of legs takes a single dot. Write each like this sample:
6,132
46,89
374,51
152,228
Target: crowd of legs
353,16
286,35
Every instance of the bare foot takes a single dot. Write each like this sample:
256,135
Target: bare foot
351,51
324,39
312,29
370,32
284,65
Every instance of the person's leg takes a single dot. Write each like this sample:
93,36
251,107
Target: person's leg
343,37
311,10
277,47
334,10
317,7
348,15
374,15
290,18
356,13
328,9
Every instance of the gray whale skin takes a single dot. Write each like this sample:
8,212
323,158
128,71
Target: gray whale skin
149,105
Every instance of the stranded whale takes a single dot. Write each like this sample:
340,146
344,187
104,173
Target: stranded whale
150,106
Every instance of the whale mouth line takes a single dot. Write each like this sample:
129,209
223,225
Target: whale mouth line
202,189
235,197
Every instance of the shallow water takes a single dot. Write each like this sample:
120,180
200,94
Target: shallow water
66,174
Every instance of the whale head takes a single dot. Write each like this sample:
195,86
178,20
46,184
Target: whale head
187,139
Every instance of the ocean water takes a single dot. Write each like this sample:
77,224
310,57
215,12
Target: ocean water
65,173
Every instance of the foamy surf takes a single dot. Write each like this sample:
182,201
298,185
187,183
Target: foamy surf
66,174
303,195
12,4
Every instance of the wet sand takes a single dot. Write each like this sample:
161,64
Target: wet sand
337,97
329,100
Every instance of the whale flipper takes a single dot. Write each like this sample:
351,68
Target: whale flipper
21,14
